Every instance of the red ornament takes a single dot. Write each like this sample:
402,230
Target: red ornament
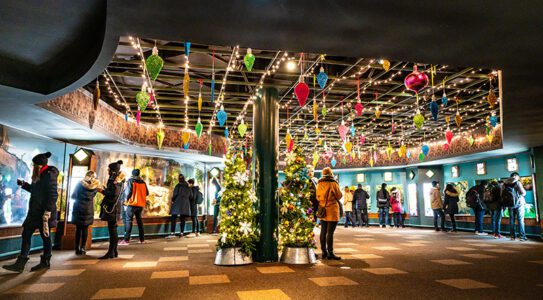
446,147
449,136
362,139
291,145
359,108
302,91
416,81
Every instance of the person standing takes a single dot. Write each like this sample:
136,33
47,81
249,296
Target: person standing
196,198
136,200
83,210
437,206
180,206
450,205
513,198
216,204
109,209
348,207
396,204
312,186
360,198
493,201
42,212
383,203
328,194
474,200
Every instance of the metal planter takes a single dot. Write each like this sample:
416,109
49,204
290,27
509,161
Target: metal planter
232,257
298,256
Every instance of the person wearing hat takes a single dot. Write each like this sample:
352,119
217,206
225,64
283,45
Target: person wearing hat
83,210
42,212
437,206
328,194
136,201
109,209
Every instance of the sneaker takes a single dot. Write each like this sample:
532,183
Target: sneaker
181,236
123,243
171,236
481,233
197,234
512,238
523,239
142,242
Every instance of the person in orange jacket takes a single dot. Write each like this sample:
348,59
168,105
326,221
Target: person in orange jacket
328,194
135,202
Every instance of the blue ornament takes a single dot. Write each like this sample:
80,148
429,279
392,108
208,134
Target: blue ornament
425,150
186,146
493,121
187,48
126,117
444,100
212,98
408,154
333,162
352,130
221,116
434,108
322,78
226,132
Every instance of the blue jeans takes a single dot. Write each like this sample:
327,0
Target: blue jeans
383,216
479,215
518,214
438,213
496,220
349,218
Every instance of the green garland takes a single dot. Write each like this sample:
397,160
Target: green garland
296,216
237,227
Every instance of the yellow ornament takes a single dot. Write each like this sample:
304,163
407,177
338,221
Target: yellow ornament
447,119
186,83
315,110
490,138
199,102
371,162
315,158
317,130
288,138
185,137
386,65
491,98
402,151
458,119
319,141
389,151
353,155
377,113
348,147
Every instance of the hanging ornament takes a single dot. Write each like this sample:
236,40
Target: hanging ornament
444,99
317,130
138,117
491,98
291,145
249,59
315,110
315,158
421,157
301,90
221,116
322,78
458,119
418,120
201,82
416,81
151,97
471,140
242,128
126,116
333,162
402,151
408,154
288,138
342,129
445,146
393,127
306,136
344,160
449,136
319,142
324,111
389,151
226,132
375,156
386,64
490,138
377,112
212,86
371,162
187,48
348,146
142,98
362,139
185,136
160,137
493,120
198,128
186,146
447,119
425,149
186,83
353,130
154,64
96,95
358,107
434,108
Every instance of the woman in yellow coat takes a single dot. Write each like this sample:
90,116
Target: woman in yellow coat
328,194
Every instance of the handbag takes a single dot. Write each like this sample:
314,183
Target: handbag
106,214
321,210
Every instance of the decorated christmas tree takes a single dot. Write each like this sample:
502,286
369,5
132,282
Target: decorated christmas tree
237,227
296,216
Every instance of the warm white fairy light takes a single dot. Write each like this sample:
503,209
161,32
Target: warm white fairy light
116,94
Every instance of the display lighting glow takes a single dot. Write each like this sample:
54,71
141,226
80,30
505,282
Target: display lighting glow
291,65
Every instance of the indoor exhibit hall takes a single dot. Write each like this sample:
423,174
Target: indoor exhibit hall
257,150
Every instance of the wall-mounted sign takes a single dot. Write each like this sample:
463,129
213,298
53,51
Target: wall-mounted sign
387,176
481,168
512,164
360,177
454,172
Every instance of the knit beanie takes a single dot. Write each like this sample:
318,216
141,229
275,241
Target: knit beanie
116,166
136,172
41,159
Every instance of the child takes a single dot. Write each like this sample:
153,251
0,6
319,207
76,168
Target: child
395,199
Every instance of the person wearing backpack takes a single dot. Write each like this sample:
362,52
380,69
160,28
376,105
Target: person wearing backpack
513,198
396,203
383,203
196,198
135,201
474,200
437,206
493,201
450,205
360,197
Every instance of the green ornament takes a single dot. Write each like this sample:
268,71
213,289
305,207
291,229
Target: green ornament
142,98
324,111
249,59
242,128
210,149
418,120
471,140
198,128
154,64
421,157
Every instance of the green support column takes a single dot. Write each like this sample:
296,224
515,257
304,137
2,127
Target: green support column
265,149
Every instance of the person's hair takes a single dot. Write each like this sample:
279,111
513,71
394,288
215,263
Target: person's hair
190,181
435,183
450,188
514,174
483,182
327,172
346,187
393,189
181,177
359,185
383,186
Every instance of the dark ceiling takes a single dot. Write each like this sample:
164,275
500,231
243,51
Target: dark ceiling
503,35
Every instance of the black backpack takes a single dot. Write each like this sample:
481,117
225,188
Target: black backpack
492,194
199,197
472,198
510,196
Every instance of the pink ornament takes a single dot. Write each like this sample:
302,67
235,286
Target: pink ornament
449,136
342,129
446,147
151,99
302,91
359,108
416,81
291,145
362,140
393,127
138,117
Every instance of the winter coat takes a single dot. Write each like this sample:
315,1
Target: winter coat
348,202
360,198
83,210
181,199
312,186
496,198
395,203
139,200
519,188
43,197
451,203
193,204
435,198
383,194
328,194
111,210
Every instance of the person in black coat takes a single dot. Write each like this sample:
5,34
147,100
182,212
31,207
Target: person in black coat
195,195
450,204
42,212
383,203
83,210
110,210
180,206
360,198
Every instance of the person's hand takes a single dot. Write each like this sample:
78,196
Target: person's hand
20,181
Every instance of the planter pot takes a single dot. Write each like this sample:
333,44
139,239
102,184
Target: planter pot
232,257
298,256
